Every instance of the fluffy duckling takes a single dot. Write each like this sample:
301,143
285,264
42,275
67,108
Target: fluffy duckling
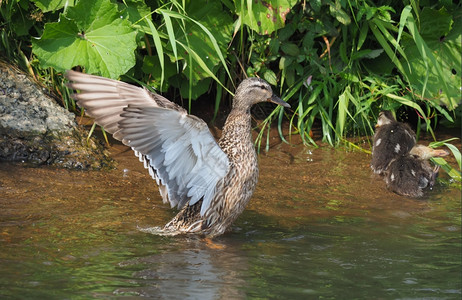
210,182
410,174
391,140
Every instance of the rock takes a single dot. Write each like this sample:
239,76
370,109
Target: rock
35,129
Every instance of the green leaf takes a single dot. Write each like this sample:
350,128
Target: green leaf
441,143
19,22
404,15
367,53
200,88
434,58
170,33
265,17
285,62
362,35
455,151
52,5
270,77
135,10
407,102
290,49
342,111
159,49
384,37
337,11
316,5
447,168
151,67
374,53
91,35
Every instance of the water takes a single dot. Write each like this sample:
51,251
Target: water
320,225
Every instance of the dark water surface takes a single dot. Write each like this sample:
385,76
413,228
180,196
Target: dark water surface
320,225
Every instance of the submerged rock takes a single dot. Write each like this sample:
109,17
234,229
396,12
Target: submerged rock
35,129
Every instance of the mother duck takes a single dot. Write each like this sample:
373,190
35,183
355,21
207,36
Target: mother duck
210,182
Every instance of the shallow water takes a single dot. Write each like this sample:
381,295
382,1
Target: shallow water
320,225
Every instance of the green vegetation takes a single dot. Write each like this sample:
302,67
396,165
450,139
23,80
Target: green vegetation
338,62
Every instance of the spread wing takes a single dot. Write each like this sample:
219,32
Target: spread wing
179,148
104,99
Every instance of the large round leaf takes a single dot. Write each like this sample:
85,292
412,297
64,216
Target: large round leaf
93,35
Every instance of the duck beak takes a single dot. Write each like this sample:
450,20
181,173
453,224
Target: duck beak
275,99
425,152
439,153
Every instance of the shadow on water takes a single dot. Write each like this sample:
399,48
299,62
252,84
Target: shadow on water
319,225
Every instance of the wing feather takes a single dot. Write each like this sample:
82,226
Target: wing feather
179,148
104,99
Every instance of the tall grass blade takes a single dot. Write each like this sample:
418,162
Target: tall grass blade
383,37
159,48
453,173
342,109
280,120
209,34
407,102
402,21
426,52
455,151
202,64
171,36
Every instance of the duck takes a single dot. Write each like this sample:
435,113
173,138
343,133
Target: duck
392,139
210,182
409,174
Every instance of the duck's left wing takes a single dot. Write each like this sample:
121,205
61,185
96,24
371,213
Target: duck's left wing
179,150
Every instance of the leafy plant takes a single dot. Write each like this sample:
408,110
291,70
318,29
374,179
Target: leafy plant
102,41
442,162
339,62
433,65
338,59
198,46
102,36
263,17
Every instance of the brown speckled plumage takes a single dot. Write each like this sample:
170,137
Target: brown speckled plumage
211,183
235,189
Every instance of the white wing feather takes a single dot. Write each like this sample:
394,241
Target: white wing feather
180,148
104,99
177,149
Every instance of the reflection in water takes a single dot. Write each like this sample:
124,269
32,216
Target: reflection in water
195,270
319,225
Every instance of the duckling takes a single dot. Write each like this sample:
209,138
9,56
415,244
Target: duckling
391,140
209,182
410,174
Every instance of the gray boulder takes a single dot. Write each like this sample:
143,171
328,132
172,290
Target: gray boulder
36,130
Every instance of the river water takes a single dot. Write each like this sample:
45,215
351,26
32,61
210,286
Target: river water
320,225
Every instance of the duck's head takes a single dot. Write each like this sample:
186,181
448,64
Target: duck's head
424,152
255,90
385,117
